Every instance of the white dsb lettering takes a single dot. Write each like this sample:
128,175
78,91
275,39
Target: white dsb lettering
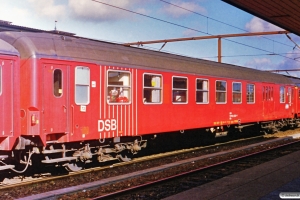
107,125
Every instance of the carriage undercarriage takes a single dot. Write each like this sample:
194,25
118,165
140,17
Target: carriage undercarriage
74,156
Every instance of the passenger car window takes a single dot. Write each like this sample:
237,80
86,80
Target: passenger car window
152,88
179,90
221,89
82,85
118,86
201,90
282,94
57,83
289,100
250,93
236,92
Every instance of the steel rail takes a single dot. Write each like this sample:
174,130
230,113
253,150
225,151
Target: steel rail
120,192
65,191
47,177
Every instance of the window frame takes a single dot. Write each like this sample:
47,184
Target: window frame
235,92
290,94
89,86
282,95
180,89
221,91
128,87
201,90
153,88
61,83
247,93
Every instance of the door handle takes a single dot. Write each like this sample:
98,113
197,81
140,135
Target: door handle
65,108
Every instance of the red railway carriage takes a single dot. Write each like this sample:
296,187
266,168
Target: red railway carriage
9,93
83,98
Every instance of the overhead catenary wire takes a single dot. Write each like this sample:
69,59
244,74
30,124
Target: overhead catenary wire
189,28
249,55
165,21
197,13
296,45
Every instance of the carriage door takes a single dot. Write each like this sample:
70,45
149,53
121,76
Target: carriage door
55,99
290,95
297,101
6,97
268,101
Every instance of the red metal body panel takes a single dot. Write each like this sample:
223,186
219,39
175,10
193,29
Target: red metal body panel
115,119
60,118
168,116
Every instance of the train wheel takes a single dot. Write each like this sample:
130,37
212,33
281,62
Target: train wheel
73,167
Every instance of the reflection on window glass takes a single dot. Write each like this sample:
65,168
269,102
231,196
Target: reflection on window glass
179,90
118,87
152,88
250,93
271,94
289,95
236,92
282,97
221,91
57,83
82,85
201,91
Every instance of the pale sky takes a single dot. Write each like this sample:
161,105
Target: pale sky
139,20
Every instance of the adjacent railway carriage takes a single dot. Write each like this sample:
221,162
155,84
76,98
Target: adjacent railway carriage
9,96
80,99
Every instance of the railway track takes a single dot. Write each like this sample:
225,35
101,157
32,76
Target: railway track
23,180
226,164
148,170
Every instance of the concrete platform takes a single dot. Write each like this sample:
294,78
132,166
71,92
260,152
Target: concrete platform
265,181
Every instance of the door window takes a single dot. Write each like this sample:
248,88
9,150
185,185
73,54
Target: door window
57,83
250,93
282,96
289,94
82,85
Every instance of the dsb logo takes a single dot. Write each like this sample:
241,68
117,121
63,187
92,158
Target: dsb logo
107,125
